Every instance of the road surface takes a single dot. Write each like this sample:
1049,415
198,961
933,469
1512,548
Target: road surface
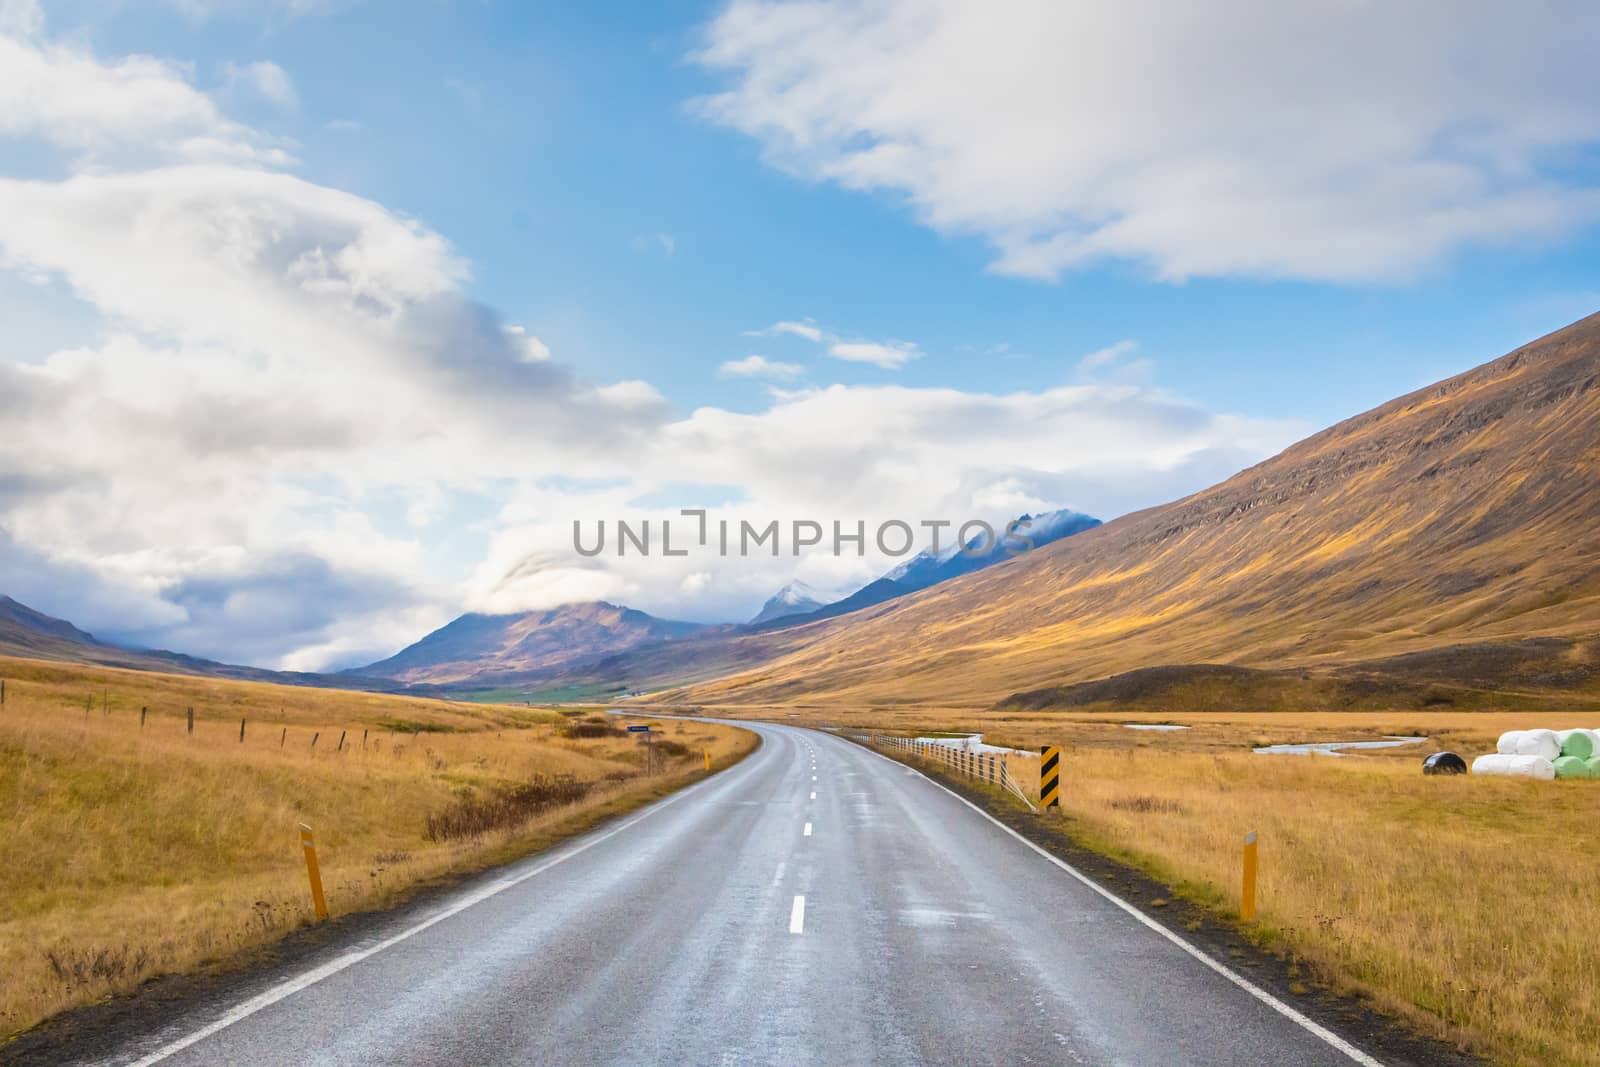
815,904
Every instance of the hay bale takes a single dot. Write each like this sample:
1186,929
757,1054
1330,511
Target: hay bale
1592,765
1570,767
1507,745
1515,766
1541,743
1577,743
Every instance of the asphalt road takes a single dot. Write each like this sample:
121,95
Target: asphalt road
815,904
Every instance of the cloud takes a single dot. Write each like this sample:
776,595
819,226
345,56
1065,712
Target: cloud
890,356
1331,141
21,18
806,329
854,453
267,80
134,108
760,367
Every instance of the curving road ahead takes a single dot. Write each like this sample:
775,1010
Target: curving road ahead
815,904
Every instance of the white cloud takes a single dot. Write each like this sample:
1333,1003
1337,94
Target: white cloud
137,106
21,18
753,366
267,80
806,329
891,355
529,347
1329,140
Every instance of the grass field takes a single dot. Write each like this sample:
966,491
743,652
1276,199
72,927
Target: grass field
1463,905
131,852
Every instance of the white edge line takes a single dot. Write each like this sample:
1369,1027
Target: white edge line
289,988
1288,1012
797,916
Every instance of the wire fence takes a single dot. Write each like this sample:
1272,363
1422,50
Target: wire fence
1015,772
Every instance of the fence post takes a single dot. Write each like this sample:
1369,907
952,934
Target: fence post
2,692
241,731
363,739
341,740
283,737
314,738
1247,891
191,722
142,710
319,903
1050,777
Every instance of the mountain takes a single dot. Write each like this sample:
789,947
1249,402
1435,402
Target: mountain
35,635
482,647
29,634
1441,549
927,568
796,598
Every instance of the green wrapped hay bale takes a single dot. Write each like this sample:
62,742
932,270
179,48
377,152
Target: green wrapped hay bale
1571,767
1592,765
1579,743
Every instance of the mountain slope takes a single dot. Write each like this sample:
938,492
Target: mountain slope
477,647
927,569
33,634
1462,517
30,634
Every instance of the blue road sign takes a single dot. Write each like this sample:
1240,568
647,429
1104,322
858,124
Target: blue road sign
639,729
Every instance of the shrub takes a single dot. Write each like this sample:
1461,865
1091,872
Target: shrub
473,817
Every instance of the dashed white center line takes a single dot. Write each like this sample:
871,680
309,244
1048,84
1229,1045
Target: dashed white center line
797,916
813,796
813,777
808,830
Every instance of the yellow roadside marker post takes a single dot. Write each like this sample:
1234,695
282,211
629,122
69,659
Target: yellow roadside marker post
1050,777
319,903
1247,892
708,759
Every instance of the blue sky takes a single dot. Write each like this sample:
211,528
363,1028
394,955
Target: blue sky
647,190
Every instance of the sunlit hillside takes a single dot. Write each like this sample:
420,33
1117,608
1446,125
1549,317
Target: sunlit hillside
1407,554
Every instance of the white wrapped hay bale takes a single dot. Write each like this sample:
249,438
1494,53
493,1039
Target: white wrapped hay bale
1507,745
1515,766
1541,743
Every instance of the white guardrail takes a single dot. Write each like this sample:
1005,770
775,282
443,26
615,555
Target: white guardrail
987,767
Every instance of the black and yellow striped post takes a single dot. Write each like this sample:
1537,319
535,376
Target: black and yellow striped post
1050,777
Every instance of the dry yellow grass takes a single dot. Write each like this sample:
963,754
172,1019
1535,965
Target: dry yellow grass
1464,905
130,853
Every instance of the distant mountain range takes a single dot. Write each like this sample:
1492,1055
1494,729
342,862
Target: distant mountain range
927,569
31,634
600,642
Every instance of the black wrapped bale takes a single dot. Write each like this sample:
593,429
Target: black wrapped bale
1444,763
